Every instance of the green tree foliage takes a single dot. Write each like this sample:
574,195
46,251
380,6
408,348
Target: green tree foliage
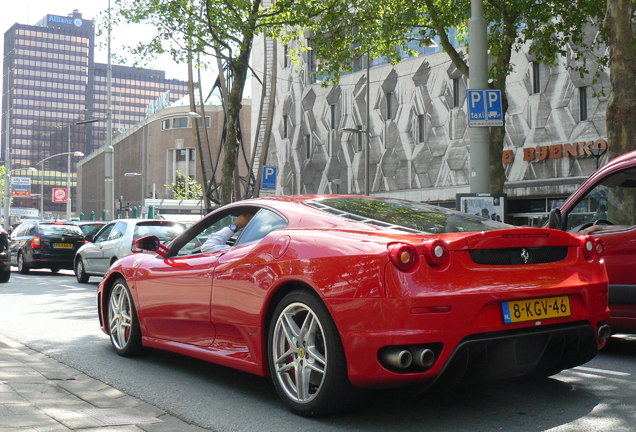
549,28
185,188
224,29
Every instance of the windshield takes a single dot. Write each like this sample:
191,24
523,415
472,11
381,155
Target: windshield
406,215
69,230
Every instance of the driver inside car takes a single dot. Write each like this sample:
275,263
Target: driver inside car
218,240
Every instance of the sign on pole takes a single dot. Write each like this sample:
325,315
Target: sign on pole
484,108
21,186
59,195
268,180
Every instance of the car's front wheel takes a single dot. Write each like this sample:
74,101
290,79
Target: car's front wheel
123,325
23,268
306,358
80,272
5,276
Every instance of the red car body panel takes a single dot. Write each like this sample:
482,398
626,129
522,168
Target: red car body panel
620,251
217,306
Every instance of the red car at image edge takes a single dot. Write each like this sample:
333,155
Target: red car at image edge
332,294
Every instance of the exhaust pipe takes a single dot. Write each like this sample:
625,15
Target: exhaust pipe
423,357
604,332
397,358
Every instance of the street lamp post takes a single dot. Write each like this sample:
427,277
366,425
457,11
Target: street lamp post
76,154
68,161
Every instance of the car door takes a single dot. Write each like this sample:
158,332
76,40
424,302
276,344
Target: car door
613,197
16,239
174,293
109,248
92,253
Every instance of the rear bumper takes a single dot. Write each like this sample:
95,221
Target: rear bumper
46,260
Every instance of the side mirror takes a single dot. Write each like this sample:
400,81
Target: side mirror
89,239
555,219
151,243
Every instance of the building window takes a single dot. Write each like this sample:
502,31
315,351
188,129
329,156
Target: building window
285,134
420,128
455,92
389,105
307,146
311,63
285,57
536,83
180,122
332,109
207,122
582,103
165,124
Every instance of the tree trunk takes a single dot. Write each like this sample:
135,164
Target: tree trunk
620,116
232,113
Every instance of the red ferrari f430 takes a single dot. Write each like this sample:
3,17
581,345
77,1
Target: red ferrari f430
332,294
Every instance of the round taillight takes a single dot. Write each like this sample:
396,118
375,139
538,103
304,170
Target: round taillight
403,256
600,247
589,247
436,253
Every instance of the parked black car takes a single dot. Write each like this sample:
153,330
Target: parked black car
5,256
52,245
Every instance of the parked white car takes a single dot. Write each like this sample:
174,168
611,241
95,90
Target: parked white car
115,240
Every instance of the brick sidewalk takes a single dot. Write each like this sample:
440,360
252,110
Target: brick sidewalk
38,393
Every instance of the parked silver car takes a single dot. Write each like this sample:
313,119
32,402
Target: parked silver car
115,240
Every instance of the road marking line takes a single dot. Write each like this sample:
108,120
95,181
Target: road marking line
603,371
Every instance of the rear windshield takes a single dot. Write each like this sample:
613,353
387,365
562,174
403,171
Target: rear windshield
165,231
90,229
405,215
69,230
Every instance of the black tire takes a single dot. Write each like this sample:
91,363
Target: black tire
317,351
5,276
80,273
123,325
54,270
23,268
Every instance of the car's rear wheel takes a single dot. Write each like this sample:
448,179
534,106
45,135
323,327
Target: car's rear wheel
306,359
80,273
123,325
23,268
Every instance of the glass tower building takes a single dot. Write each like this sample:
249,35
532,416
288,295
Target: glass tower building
51,83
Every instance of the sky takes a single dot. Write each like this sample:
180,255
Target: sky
31,11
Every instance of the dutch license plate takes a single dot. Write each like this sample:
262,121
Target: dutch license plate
535,309
63,245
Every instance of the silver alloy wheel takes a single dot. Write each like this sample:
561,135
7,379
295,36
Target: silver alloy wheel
299,352
120,316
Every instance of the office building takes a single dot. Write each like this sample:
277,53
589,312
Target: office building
52,83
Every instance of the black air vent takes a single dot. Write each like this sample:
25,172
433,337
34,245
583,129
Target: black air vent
519,256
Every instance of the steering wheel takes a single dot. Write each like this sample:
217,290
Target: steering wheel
602,222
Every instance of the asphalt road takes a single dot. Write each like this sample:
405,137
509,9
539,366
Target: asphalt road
57,316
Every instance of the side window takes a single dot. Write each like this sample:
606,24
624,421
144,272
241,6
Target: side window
103,235
193,246
31,230
17,232
264,222
610,202
118,231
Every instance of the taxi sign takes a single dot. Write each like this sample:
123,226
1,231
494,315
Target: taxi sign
484,108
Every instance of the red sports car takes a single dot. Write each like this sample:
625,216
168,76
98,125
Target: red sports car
328,294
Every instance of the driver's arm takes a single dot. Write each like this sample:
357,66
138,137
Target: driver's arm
595,228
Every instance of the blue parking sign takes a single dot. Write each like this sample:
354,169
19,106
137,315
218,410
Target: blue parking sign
484,108
268,180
